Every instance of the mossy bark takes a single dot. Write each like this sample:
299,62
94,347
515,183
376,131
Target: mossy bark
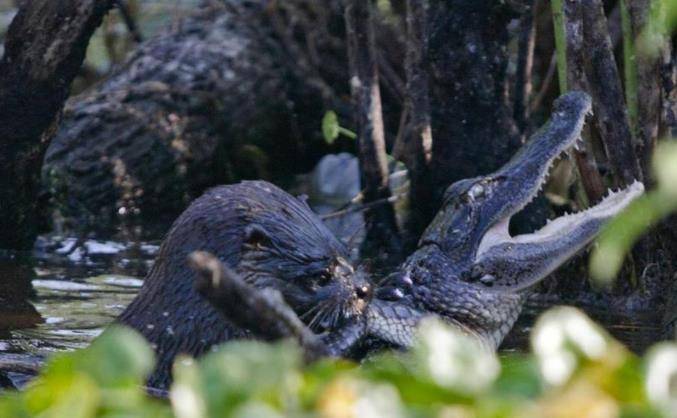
36,71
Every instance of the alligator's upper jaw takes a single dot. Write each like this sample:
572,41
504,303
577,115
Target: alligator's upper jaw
519,262
520,180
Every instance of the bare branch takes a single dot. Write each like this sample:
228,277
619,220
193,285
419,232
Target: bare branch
264,312
609,105
363,60
36,72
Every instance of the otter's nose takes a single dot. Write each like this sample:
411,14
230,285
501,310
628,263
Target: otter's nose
363,290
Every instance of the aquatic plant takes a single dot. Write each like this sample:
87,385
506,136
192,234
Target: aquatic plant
575,370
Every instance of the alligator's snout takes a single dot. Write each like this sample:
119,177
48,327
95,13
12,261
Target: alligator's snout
571,105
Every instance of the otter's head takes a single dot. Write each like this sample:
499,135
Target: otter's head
315,276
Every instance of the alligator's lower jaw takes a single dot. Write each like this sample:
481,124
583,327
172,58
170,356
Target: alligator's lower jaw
563,226
610,206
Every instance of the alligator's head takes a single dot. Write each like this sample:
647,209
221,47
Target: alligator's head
478,209
468,269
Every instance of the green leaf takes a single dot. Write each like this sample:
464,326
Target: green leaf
519,376
619,235
236,373
75,396
119,356
330,127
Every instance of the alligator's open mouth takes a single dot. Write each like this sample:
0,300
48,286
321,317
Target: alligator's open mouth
523,177
518,262
564,227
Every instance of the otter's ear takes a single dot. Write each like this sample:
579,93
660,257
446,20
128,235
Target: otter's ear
256,235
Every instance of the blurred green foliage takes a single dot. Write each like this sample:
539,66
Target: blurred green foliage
576,370
618,237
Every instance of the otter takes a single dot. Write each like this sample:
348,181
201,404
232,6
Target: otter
272,240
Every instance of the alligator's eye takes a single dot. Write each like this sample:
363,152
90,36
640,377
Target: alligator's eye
477,190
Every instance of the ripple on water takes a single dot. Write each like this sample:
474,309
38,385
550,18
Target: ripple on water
80,286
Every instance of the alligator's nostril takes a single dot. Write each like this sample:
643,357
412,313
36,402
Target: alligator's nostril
390,293
488,279
406,281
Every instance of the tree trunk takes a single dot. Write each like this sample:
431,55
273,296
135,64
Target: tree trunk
417,151
231,92
380,220
36,71
472,125
611,114
576,80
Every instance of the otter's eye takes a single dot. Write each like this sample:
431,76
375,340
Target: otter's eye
477,190
324,279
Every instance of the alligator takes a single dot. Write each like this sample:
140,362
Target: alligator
467,269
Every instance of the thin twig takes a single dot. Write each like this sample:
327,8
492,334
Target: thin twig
525,60
363,207
129,20
545,85
393,80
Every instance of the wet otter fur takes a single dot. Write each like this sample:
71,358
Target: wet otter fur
273,240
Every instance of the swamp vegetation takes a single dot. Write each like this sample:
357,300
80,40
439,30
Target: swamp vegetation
116,114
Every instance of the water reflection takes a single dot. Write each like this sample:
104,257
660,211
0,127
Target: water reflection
79,287
16,272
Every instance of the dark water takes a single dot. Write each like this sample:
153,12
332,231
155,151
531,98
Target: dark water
638,331
78,288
